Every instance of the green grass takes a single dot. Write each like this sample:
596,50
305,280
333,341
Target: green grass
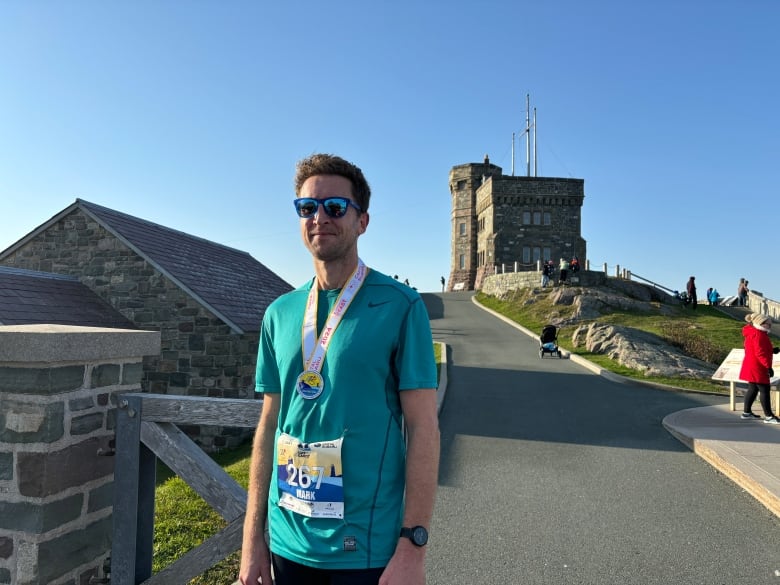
707,333
182,520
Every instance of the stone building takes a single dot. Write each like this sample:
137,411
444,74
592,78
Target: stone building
509,223
206,300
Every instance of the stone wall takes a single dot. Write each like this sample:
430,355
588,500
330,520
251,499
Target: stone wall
760,304
200,354
58,386
502,283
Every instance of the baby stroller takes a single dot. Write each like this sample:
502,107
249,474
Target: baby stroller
548,341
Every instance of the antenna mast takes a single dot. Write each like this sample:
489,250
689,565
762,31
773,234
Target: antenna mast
535,141
528,134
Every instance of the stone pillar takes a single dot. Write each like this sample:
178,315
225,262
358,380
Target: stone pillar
57,387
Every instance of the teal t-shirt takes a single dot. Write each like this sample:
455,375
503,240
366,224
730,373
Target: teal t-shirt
382,346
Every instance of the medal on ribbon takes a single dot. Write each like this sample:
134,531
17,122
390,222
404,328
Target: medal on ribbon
310,382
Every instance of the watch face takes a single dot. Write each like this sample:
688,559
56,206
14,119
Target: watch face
419,536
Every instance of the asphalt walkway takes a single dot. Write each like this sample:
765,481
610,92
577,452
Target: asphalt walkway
552,472
747,452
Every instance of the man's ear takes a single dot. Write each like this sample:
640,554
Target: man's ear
363,222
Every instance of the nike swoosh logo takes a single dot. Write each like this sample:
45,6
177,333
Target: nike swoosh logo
372,305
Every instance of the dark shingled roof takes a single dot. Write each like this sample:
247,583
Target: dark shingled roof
29,297
228,282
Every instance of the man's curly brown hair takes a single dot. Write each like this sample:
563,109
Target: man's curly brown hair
329,164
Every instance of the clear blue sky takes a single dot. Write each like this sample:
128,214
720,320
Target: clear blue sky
193,114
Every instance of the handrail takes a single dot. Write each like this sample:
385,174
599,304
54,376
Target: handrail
654,284
145,430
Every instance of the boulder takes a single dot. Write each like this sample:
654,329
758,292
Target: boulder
592,302
640,351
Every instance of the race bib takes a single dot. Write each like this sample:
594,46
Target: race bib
310,477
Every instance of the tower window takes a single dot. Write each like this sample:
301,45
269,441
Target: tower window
462,228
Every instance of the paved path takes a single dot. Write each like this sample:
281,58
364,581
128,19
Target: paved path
551,474
747,452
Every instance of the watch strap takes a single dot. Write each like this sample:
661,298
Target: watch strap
417,534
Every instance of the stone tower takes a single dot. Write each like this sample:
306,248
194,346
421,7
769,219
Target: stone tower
508,223
464,181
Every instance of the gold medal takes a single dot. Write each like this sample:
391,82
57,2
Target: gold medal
309,384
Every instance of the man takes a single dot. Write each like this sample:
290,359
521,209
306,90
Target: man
341,360
690,287
547,271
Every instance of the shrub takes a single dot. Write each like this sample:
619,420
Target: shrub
692,343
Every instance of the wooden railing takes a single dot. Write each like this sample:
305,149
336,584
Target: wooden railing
146,429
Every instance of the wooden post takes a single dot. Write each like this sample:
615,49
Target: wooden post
134,483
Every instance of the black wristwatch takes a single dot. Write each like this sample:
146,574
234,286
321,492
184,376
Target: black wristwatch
417,534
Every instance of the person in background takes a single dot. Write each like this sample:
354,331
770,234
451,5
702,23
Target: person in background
756,367
714,297
563,270
690,288
708,294
742,293
346,368
442,283
547,270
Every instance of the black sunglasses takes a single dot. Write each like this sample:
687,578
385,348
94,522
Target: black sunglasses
334,206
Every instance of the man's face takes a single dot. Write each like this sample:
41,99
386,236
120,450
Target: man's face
329,238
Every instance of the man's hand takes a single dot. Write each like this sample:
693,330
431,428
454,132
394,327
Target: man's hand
257,568
406,567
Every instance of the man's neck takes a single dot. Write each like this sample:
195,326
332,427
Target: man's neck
334,275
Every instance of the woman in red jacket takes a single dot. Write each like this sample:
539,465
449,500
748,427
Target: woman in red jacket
757,366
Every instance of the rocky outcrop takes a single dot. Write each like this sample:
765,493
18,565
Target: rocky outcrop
591,303
639,350
632,348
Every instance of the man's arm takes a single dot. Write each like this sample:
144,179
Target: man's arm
407,567
255,556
